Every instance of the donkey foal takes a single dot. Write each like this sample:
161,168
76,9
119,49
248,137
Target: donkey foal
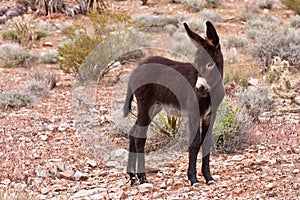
191,89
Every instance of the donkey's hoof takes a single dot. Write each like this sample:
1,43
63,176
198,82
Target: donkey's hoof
133,181
196,184
210,182
143,180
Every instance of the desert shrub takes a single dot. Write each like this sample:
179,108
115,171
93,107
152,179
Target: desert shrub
270,38
235,41
196,25
249,11
183,47
11,100
170,28
37,88
80,44
256,101
295,21
47,78
24,30
209,15
266,4
166,124
50,57
236,75
230,129
149,20
12,55
292,4
194,5
231,56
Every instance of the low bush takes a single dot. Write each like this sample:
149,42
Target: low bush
197,5
230,129
292,4
269,38
209,15
256,101
183,47
11,100
235,41
295,21
149,20
266,4
47,78
13,55
50,57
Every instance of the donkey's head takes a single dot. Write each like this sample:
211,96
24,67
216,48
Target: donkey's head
208,54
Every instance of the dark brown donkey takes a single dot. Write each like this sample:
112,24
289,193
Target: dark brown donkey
158,81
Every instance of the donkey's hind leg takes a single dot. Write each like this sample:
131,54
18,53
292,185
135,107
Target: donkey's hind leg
131,165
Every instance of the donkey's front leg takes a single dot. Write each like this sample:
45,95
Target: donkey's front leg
193,153
206,142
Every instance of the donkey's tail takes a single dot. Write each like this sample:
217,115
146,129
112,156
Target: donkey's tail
128,100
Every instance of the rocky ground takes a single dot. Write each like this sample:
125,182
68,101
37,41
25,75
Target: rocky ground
43,157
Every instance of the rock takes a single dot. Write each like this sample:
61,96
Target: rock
253,81
91,163
80,176
43,137
296,171
146,188
19,186
119,153
63,126
156,195
6,181
163,185
270,186
112,164
237,158
67,174
48,44
85,193
45,191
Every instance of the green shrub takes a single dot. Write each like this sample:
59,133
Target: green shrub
24,30
270,38
256,101
14,99
80,44
230,129
12,55
292,4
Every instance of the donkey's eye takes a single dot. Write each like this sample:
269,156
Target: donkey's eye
210,65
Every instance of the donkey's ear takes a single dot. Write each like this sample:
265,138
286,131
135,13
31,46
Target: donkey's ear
196,39
211,34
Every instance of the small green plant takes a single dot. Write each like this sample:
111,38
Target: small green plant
256,101
230,129
24,30
13,55
11,100
292,4
183,47
166,124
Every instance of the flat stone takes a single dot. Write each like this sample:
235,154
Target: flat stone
91,163
45,190
146,188
66,174
80,176
85,193
112,164
6,181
